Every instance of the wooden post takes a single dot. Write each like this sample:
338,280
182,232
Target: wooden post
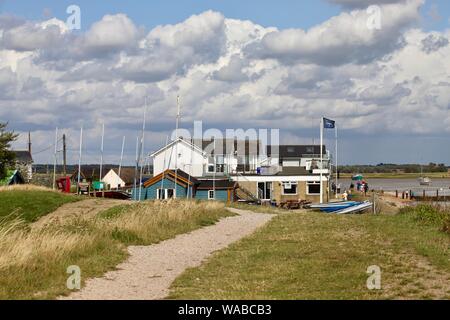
437,195
396,193
64,155
374,211
424,195
410,194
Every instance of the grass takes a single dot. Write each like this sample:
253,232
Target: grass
310,255
34,260
257,208
30,203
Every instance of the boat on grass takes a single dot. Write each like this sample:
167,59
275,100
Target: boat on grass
342,207
333,206
356,209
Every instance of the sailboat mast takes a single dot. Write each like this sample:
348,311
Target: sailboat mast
176,146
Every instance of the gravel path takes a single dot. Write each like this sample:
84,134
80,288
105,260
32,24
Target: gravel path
150,270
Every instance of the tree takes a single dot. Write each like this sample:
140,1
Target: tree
7,157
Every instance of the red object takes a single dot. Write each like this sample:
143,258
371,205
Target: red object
64,184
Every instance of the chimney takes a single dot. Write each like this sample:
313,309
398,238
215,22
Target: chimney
29,142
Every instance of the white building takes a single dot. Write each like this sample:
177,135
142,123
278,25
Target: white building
112,179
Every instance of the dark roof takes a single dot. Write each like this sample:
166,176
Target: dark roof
293,171
183,177
23,156
219,184
296,151
247,146
126,174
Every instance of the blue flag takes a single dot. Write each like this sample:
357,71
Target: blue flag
328,124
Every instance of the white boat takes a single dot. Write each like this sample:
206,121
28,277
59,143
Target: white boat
424,181
355,209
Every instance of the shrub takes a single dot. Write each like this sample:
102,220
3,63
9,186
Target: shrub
429,214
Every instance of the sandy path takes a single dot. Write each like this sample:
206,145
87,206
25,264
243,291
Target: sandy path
150,270
89,207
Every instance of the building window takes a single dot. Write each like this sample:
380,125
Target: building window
290,188
211,168
313,188
211,195
162,194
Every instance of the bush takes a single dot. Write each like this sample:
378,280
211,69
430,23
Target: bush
429,214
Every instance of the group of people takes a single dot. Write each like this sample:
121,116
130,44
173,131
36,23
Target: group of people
361,186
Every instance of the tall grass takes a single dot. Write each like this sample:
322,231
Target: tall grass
25,187
429,214
33,261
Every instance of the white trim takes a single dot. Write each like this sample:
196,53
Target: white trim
291,183
277,178
189,144
214,197
307,189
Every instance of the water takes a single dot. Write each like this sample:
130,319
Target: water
443,185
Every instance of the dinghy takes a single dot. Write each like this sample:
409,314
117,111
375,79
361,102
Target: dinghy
334,206
355,209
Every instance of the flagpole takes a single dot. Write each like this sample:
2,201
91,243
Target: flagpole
321,159
336,155
214,172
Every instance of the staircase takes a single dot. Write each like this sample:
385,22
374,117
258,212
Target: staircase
244,194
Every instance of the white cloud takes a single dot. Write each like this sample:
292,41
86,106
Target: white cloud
229,73
342,39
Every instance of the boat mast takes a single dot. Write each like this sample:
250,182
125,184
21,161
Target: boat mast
121,159
141,156
176,146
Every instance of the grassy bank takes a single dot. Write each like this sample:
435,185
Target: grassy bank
311,255
33,261
30,203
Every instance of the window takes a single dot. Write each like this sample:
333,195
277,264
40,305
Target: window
211,195
310,150
162,194
290,149
210,168
290,188
313,188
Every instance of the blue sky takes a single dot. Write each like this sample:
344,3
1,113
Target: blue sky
281,14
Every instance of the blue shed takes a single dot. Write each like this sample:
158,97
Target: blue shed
163,187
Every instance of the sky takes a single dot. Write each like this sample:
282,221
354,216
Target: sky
384,78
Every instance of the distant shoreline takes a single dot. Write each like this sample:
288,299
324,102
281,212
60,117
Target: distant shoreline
436,175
